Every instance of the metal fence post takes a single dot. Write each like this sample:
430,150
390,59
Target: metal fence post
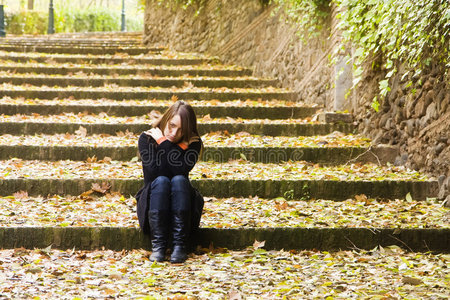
2,21
51,19
123,27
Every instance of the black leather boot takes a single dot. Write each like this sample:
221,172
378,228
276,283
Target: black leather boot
180,222
159,225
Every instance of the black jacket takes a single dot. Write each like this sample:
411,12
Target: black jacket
166,159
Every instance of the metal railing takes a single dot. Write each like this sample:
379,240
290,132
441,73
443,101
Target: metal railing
51,18
2,20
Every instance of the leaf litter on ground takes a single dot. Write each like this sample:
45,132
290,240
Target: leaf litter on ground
212,139
100,207
143,89
234,169
91,75
164,104
217,273
162,54
104,118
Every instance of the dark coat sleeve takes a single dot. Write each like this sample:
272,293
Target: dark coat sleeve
178,161
153,157
147,151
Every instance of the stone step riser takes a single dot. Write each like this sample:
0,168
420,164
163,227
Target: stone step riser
162,95
258,129
60,44
81,50
75,42
323,239
166,83
128,71
295,189
245,112
95,36
325,156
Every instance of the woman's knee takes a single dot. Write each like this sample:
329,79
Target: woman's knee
161,182
179,182
160,194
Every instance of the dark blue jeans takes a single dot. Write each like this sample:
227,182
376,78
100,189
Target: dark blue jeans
170,194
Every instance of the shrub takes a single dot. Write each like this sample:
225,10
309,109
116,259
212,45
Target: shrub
24,22
68,20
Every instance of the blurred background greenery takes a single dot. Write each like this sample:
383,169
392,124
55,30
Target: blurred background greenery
31,16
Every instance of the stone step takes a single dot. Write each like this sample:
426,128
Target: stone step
328,189
98,64
30,128
218,139
329,239
145,81
121,93
95,35
75,38
219,273
114,209
155,69
236,109
235,217
81,50
293,180
70,42
267,154
221,147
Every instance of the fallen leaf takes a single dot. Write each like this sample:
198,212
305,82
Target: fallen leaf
234,295
21,195
34,270
258,244
411,280
81,132
101,189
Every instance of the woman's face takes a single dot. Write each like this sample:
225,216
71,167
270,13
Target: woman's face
173,129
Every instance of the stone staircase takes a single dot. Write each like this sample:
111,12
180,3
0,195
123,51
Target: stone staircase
73,105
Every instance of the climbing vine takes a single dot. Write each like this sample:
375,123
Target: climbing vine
386,33
408,32
308,15
184,4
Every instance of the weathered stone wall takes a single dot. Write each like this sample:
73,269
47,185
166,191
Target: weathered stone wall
416,118
250,34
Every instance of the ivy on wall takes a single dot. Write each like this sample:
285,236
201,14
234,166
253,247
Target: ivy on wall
183,4
409,32
309,15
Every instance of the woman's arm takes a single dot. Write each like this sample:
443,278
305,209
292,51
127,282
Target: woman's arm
182,158
152,157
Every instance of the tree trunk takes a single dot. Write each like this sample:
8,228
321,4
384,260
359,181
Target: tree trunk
30,4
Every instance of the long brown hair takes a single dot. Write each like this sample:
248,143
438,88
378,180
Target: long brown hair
188,120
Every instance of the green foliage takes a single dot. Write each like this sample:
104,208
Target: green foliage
289,195
309,15
408,32
383,33
184,4
26,22
375,104
69,20
141,5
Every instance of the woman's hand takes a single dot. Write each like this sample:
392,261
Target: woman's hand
155,133
193,139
